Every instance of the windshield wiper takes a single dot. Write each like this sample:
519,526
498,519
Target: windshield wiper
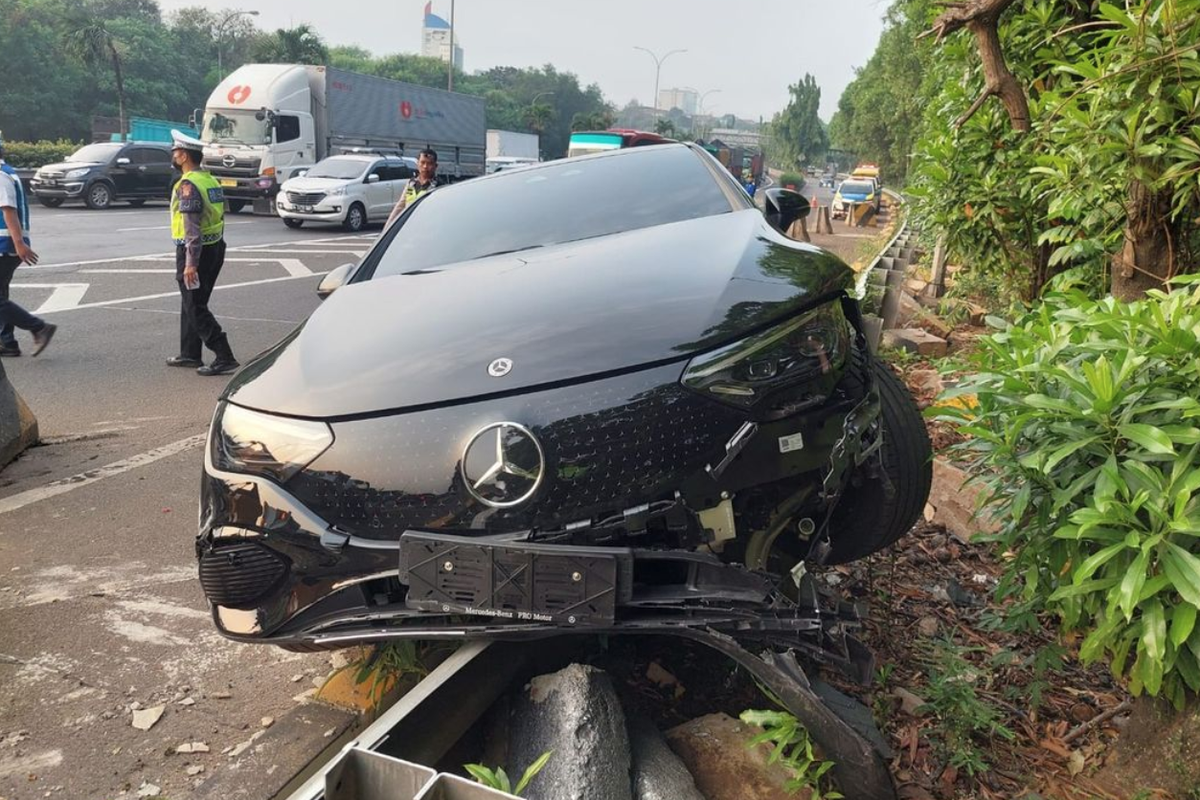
506,252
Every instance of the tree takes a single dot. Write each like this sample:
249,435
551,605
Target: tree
666,127
538,117
93,43
298,45
796,133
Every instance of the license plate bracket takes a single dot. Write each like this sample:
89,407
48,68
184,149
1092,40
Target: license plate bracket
228,182
522,582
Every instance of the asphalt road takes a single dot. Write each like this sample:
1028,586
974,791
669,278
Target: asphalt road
100,608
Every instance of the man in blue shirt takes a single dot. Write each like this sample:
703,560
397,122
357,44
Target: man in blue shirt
15,250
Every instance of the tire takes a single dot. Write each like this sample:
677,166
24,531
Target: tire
51,202
98,196
234,206
356,218
293,223
138,202
868,518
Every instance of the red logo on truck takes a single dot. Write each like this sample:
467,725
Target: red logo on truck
238,94
406,110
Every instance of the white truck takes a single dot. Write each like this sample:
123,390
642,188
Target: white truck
510,148
265,123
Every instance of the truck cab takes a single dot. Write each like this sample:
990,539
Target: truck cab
258,130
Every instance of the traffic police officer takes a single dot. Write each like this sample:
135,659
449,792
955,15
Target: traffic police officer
425,181
198,228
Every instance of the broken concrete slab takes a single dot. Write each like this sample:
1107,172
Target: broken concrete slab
724,768
916,341
574,712
953,501
18,425
658,774
145,718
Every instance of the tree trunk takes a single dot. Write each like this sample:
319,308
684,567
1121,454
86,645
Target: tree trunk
116,59
1148,258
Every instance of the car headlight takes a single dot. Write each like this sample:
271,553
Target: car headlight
806,352
264,444
77,173
336,191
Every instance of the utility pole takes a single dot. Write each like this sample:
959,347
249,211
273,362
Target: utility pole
221,34
450,71
658,62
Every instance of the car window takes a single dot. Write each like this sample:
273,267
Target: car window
287,128
378,168
95,153
339,168
149,155
561,201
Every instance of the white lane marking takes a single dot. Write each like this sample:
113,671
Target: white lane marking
22,499
171,253
223,316
309,252
160,295
168,227
294,266
151,271
63,296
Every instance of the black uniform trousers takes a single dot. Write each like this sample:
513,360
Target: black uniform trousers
197,325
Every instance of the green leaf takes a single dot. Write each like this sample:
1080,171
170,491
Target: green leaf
1085,588
502,782
1096,561
1183,569
481,774
1154,632
1131,585
532,770
1064,451
1149,437
1183,621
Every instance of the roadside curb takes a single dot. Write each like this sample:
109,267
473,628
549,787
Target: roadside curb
18,425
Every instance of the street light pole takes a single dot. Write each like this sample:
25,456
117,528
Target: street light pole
221,34
450,71
658,62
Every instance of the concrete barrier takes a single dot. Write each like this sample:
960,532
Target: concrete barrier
18,426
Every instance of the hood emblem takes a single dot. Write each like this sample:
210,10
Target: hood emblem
503,465
229,160
500,367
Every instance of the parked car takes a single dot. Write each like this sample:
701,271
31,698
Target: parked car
350,190
852,192
826,180
100,174
603,392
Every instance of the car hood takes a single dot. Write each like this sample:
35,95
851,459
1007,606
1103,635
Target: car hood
307,184
67,166
559,313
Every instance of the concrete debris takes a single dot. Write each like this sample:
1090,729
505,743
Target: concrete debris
148,789
188,701
305,696
267,721
724,768
192,747
145,719
221,695
909,703
574,712
299,676
246,745
928,626
135,706
195,769
658,774
916,341
656,674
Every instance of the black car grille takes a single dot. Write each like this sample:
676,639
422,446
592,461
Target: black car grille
305,198
609,445
238,575
245,167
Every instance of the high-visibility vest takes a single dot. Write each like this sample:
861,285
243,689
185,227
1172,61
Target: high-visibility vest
411,192
212,217
7,246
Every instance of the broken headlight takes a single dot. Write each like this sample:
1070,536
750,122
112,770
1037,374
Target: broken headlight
264,444
804,350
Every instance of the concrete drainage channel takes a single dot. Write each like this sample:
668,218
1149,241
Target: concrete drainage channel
506,703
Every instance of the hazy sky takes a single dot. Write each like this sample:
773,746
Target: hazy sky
748,49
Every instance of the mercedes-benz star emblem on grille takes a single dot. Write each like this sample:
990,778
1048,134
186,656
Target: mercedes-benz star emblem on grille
229,161
503,464
500,367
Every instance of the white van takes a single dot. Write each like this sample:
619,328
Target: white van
350,190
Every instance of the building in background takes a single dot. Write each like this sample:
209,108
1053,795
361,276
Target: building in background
435,38
683,99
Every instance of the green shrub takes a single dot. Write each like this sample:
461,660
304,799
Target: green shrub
1086,441
794,179
30,155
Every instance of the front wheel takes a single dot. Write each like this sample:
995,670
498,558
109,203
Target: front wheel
356,218
99,196
293,223
51,202
234,206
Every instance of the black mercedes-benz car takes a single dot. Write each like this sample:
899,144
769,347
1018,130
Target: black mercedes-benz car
601,393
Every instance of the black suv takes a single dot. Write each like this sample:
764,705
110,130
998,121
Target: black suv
100,173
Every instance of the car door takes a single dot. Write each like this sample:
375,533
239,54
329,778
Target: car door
378,191
124,173
154,170
399,174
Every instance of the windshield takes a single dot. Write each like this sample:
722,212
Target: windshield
856,188
565,201
95,153
235,127
341,168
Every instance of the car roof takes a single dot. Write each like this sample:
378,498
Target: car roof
622,152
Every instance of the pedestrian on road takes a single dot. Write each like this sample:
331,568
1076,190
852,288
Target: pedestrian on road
198,228
15,250
751,187
425,181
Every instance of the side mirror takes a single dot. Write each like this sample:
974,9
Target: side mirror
123,162
335,280
783,207
373,177
301,173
